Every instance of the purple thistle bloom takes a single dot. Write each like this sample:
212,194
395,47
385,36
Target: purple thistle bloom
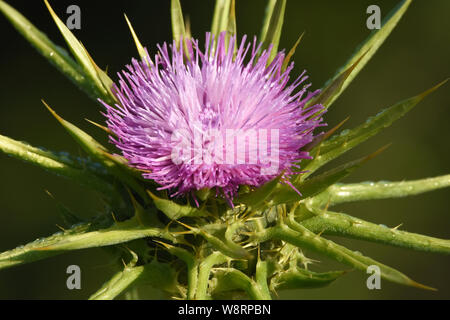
218,119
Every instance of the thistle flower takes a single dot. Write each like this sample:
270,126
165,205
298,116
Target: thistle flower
223,116
209,104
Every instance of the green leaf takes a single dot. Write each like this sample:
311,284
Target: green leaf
178,26
273,34
231,26
232,279
113,164
259,195
319,183
261,277
156,274
53,53
341,193
301,279
80,237
344,225
174,210
267,15
142,53
291,53
69,218
298,235
334,89
348,139
221,15
82,57
373,42
191,263
55,164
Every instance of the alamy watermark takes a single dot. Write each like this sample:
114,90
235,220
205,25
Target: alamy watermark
374,20
74,20
74,280
374,280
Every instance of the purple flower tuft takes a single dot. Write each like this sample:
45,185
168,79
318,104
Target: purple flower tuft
219,118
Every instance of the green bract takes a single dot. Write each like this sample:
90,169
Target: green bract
253,249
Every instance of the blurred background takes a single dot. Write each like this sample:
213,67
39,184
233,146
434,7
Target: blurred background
414,58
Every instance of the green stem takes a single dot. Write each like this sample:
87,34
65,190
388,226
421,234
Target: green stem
347,226
341,193
228,248
242,281
192,280
192,268
205,271
118,283
261,279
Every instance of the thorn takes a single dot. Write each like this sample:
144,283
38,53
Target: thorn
395,228
320,233
57,225
166,228
107,130
183,232
185,225
114,217
325,136
49,194
327,205
165,245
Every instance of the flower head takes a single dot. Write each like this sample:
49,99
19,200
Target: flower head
214,118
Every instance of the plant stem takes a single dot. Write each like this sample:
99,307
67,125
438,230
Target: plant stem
205,271
347,226
341,193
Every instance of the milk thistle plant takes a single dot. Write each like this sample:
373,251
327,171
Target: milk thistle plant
210,183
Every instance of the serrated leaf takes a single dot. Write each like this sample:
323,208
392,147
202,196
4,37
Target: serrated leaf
174,210
346,226
81,56
299,236
96,150
334,89
259,195
142,53
51,162
302,279
373,42
53,53
69,218
342,193
348,139
104,79
316,140
230,279
156,274
80,237
273,34
291,53
319,183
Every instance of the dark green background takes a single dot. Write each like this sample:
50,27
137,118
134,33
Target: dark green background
414,58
